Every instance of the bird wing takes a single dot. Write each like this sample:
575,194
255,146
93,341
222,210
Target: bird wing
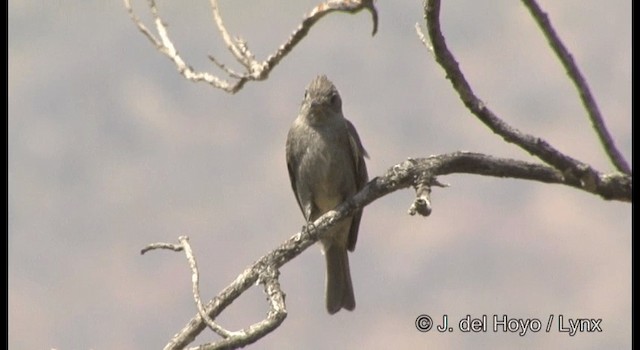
291,166
358,153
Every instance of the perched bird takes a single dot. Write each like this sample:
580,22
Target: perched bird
325,159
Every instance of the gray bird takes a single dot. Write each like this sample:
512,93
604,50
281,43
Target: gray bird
326,166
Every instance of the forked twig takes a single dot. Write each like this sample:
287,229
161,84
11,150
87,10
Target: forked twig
567,165
254,70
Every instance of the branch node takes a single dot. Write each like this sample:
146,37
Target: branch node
254,69
422,204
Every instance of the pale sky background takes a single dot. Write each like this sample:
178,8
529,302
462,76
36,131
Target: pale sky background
111,149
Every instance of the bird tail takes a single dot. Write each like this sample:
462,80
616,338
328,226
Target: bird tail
339,290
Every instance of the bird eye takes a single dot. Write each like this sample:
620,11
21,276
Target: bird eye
306,94
335,98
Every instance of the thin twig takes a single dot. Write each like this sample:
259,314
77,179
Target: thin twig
195,285
253,333
239,54
587,98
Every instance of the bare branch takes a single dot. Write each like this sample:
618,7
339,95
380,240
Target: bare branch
570,167
587,98
421,173
253,333
267,275
314,16
254,70
242,56
141,26
195,280
610,186
422,203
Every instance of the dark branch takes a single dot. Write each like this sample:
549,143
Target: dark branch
570,167
587,98
412,172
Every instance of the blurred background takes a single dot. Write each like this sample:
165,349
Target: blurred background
111,149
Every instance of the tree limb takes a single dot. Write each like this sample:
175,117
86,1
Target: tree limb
421,174
570,167
587,98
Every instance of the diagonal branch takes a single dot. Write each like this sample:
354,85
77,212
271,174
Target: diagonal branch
420,173
314,16
268,276
254,70
536,146
236,46
587,98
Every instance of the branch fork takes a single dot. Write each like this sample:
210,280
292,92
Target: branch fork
254,70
